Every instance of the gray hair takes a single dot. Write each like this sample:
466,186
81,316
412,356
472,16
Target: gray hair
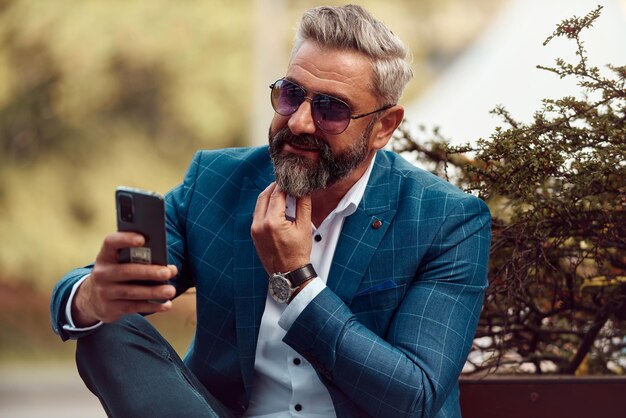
351,27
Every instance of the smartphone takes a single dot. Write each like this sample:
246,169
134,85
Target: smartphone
290,208
143,212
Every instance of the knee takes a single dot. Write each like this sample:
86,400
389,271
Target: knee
115,339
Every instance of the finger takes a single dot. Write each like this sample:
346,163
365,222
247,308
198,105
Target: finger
139,292
119,308
303,211
262,202
111,273
276,204
144,272
114,242
173,269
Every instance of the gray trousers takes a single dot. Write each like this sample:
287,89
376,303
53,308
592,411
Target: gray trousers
135,372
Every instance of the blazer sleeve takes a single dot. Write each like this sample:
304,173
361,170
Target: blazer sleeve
177,203
58,301
411,370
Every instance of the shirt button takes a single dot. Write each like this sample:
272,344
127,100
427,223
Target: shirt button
296,361
318,238
298,407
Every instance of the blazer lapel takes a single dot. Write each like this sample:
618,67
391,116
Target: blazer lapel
250,279
363,230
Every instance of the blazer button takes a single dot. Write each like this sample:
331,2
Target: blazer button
377,224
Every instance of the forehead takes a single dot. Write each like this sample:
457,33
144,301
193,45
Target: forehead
346,74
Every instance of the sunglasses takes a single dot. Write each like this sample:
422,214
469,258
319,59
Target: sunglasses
331,115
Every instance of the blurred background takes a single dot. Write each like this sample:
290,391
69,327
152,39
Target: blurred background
96,94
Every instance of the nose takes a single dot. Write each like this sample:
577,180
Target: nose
301,122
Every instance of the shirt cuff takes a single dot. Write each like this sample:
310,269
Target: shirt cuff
300,302
68,311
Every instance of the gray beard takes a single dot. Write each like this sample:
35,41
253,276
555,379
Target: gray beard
299,176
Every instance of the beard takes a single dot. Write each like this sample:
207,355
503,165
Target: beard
299,176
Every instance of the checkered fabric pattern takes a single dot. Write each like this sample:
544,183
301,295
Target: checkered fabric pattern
389,335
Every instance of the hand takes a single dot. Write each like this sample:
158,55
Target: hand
106,295
282,245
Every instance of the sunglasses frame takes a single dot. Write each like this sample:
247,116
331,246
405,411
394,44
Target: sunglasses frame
316,97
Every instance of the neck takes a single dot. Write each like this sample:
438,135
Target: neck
326,200
323,202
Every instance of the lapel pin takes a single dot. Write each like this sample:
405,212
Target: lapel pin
377,224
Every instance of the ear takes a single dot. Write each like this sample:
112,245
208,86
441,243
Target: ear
386,125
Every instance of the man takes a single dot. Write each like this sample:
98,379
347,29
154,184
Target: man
364,305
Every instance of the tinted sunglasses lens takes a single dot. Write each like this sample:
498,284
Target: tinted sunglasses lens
286,97
330,114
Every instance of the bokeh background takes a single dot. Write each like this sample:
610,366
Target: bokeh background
96,94
100,93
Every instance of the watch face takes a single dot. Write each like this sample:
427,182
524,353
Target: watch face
279,288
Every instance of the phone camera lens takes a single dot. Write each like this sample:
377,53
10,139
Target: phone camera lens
126,208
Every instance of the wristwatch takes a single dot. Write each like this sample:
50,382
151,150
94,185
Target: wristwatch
283,285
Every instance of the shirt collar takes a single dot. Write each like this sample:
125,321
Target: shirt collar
350,201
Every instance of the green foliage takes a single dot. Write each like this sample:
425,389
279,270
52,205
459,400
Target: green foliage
71,69
99,93
557,190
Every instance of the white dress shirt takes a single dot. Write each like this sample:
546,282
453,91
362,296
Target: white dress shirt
285,384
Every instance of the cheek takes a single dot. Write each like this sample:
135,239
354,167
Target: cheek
345,141
278,123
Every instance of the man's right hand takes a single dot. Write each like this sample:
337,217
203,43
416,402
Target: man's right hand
106,295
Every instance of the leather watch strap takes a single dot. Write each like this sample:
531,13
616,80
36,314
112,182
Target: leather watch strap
301,275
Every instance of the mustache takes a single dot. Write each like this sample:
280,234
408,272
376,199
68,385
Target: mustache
304,141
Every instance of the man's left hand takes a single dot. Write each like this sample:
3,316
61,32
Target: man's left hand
282,245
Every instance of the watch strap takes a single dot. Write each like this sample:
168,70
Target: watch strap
301,275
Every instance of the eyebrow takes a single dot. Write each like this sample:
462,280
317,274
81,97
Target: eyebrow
336,96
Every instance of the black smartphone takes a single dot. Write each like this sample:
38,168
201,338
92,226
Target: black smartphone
143,212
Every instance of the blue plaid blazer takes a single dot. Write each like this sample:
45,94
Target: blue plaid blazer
390,334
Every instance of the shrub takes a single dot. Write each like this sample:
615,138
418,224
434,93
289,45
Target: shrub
557,191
